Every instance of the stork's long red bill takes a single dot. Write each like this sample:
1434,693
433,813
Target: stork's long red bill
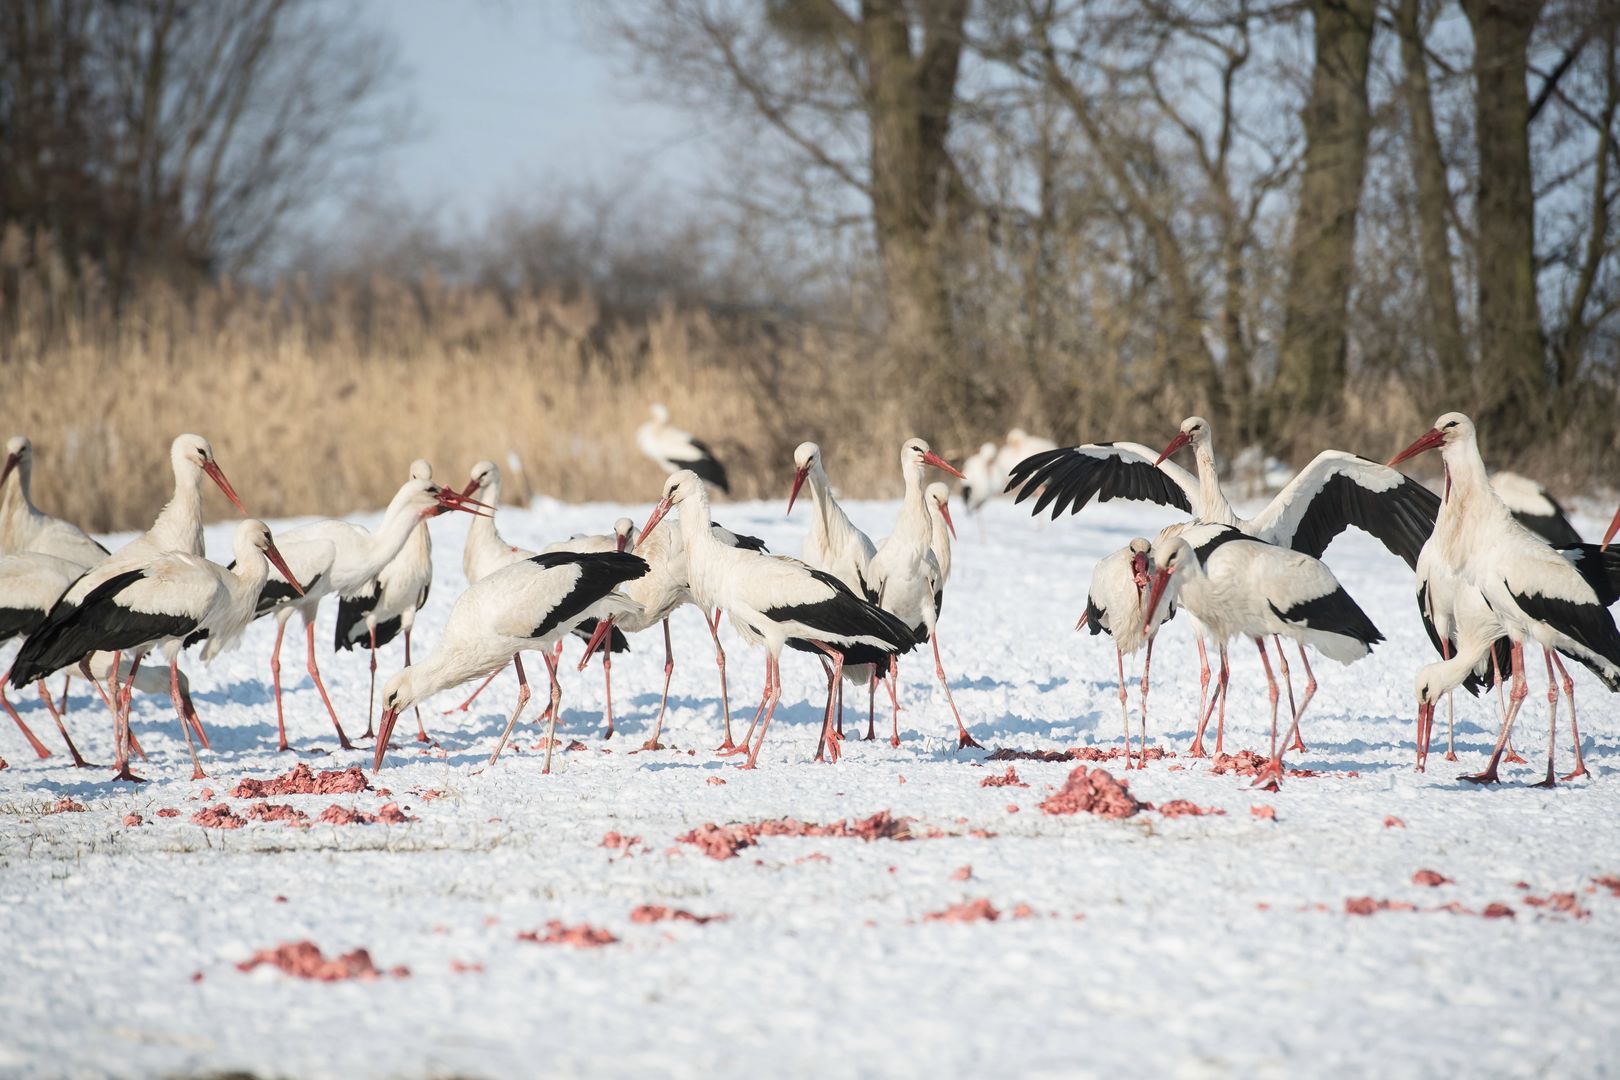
604,627
798,482
653,519
945,512
1614,527
217,475
1181,439
1160,580
385,728
281,564
451,499
931,458
1425,442
11,463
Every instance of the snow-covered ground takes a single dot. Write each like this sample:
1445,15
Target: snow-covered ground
1149,945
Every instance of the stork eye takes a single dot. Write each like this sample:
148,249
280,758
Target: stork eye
1451,423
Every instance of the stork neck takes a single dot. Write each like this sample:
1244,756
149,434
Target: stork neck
15,509
829,517
390,536
178,526
940,543
483,539
1215,507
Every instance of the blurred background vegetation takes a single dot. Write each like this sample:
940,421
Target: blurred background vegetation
1319,222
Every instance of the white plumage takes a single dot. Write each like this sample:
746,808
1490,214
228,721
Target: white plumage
1534,507
674,449
1117,605
24,528
982,479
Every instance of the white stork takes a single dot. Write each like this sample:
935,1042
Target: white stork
337,557
1018,446
674,449
1472,631
24,528
1117,605
1534,507
168,602
388,604
771,601
1536,592
529,604
1241,587
904,574
30,583
981,481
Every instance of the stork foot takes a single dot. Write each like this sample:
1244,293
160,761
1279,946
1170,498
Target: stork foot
1269,778
1451,755
653,744
1487,777
964,741
1513,757
125,775
343,741
198,774
1197,749
732,751
1580,771
1298,744
894,741
1550,782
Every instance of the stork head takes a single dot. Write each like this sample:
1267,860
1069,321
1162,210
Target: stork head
253,536
682,485
421,470
1450,429
19,455
1174,556
939,498
1614,527
624,534
1016,436
914,454
805,459
660,414
1194,432
1141,562
399,694
194,452
425,499
484,479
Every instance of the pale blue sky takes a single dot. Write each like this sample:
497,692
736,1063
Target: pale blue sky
509,97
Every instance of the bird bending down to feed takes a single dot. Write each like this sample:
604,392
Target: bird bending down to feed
1242,587
1117,605
24,528
673,449
772,600
529,604
1537,593
337,557
169,602
388,604
1472,632
904,574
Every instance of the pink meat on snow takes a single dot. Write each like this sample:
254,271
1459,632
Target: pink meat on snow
1096,792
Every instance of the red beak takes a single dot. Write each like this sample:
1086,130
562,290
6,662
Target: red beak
1160,580
385,728
1181,439
1084,615
798,482
11,463
654,518
217,475
451,499
1425,442
1614,527
623,542
1139,565
472,486
931,458
603,629
1425,724
281,564
945,512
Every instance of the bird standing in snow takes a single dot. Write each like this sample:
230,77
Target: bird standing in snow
981,479
24,528
388,603
674,449
1536,593
905,574
1241,587
772,600
1117,605
529,604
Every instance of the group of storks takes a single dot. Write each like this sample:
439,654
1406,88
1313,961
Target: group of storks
1486,585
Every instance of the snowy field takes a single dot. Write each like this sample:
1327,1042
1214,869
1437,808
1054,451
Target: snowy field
1164,945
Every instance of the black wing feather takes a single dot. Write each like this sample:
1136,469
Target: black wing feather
350,630
97,624
1588,624
600,572
1401,519
1333,613
1071,478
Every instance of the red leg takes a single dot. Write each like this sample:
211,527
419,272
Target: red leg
1552,720
1220,723
555,710
38,747
894,699
1451,727
1282,661
963,739
773,694
66,679
315,673
652,742
1206,704
826,710
725,697
830,736
180,713
275,685
1124,706
523,699
1147,667
1304,702
1574,726
421,732
607,682
128,740
743,747
1270,777
371,696
871,706
1516,698
61,726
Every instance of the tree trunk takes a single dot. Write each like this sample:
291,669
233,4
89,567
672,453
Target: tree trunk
1311,365
1512,354
1433,205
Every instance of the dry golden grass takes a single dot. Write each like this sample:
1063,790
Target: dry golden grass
317,404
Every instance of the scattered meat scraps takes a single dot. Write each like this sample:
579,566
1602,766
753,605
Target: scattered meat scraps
1366,905
1079,753
217,817
1394,823
582,936
66,805
206,794
619,842
1267,812
134,819
301,781
303,960
168,811
1431,878
1187,808
652,913
429,794
464,967
1497,911
1096,792
1006,779
962,873
388,814
574,746
1023,911
724,841
1564,903
968,911
268,811
716,781
1611,882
